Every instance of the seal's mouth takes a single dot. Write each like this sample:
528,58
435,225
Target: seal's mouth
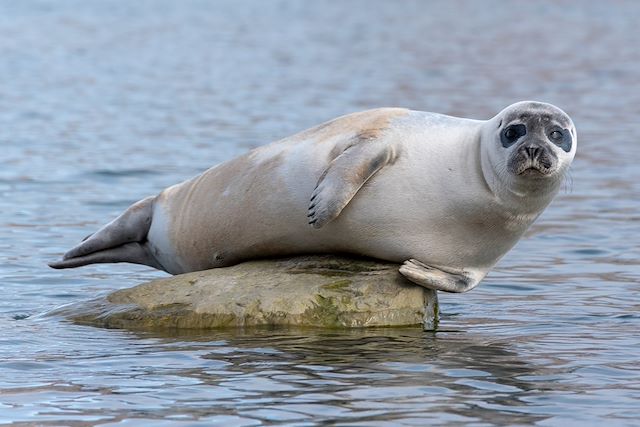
532,168
532,160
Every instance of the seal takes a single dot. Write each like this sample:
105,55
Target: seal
447,197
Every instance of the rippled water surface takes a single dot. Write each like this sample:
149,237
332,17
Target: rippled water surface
105,102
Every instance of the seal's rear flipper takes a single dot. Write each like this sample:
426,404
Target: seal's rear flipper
112,242
134,253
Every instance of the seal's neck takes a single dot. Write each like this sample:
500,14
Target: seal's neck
532,195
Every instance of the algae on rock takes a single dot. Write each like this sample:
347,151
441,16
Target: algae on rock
320,291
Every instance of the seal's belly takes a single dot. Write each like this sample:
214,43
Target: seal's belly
447,244
437,227
216,221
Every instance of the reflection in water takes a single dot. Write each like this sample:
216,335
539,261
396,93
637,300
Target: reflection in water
372,375
104,103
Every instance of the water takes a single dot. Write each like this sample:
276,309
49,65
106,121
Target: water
105,102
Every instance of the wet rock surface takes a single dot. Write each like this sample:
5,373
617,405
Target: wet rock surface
317,291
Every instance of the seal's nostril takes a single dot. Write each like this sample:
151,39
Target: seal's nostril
533,151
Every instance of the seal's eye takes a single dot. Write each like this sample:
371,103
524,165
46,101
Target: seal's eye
512,133
561,138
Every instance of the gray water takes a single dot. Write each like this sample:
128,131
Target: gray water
105,102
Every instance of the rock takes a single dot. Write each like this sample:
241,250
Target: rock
322,291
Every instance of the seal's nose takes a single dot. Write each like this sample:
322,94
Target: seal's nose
533,151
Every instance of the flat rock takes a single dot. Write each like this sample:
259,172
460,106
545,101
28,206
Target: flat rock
319,291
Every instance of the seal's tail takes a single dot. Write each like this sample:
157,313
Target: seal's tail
122,240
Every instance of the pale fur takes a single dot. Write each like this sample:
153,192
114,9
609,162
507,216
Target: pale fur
435,203
446,198
256,205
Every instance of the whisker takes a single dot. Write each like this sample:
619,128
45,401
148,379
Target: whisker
568,182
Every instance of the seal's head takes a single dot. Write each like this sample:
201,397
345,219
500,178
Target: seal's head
533,144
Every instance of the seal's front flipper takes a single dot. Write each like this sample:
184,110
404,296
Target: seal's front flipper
344,176
437,279
130,227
